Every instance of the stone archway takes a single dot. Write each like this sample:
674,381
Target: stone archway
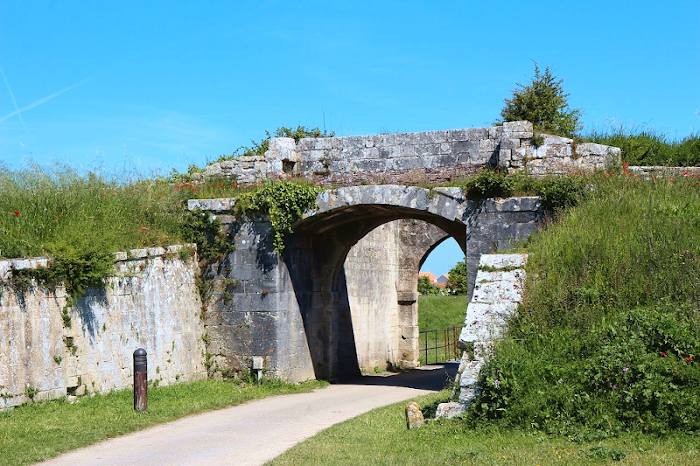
294,309
381,273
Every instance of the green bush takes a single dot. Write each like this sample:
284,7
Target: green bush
489,183
632,370
556,192
608,332
649,148
559,192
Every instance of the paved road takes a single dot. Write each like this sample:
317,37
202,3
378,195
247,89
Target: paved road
255,432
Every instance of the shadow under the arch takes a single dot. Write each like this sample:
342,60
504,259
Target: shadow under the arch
433,377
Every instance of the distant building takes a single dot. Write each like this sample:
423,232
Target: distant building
432,278
440,282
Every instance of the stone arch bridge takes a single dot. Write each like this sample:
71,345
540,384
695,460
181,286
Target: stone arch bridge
342,298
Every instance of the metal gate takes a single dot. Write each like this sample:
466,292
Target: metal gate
439,346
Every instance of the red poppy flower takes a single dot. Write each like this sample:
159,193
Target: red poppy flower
16,213
626,168
663,354
689,358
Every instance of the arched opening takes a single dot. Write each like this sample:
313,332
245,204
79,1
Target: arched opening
330,279
442,302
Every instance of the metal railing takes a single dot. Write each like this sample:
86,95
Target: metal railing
439,346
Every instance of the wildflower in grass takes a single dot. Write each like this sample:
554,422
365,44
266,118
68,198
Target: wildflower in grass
689,359
496,383
16,213
663,354
625,370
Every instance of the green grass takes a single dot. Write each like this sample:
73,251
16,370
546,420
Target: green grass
608,334
438,312
35,432
380,437
631,243
45,213
649,148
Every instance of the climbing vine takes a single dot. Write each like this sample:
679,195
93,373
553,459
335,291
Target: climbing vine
284,202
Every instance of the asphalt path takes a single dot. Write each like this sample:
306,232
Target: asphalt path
256,432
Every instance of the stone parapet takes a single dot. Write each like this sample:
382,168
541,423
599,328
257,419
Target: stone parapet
663,172
416,158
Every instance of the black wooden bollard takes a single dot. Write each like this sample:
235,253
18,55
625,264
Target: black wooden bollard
140,380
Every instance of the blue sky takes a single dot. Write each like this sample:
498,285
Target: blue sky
144,87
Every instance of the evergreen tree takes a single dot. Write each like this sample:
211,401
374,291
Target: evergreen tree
544,103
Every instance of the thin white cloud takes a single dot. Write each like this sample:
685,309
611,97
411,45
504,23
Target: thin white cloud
12,97
18,112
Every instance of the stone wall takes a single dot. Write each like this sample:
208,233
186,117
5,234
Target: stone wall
381,273
152,302
659,171
497,293
415,158
372,274
500,224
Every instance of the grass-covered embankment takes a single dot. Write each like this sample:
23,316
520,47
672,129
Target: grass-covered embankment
38,431
380,437
608,334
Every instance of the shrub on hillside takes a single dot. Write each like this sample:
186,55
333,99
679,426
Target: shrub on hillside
560,192
635,369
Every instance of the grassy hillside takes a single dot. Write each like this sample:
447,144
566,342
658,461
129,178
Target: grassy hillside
608,335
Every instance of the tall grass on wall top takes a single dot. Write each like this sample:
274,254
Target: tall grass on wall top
650,148
80,221
44,213
607,338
